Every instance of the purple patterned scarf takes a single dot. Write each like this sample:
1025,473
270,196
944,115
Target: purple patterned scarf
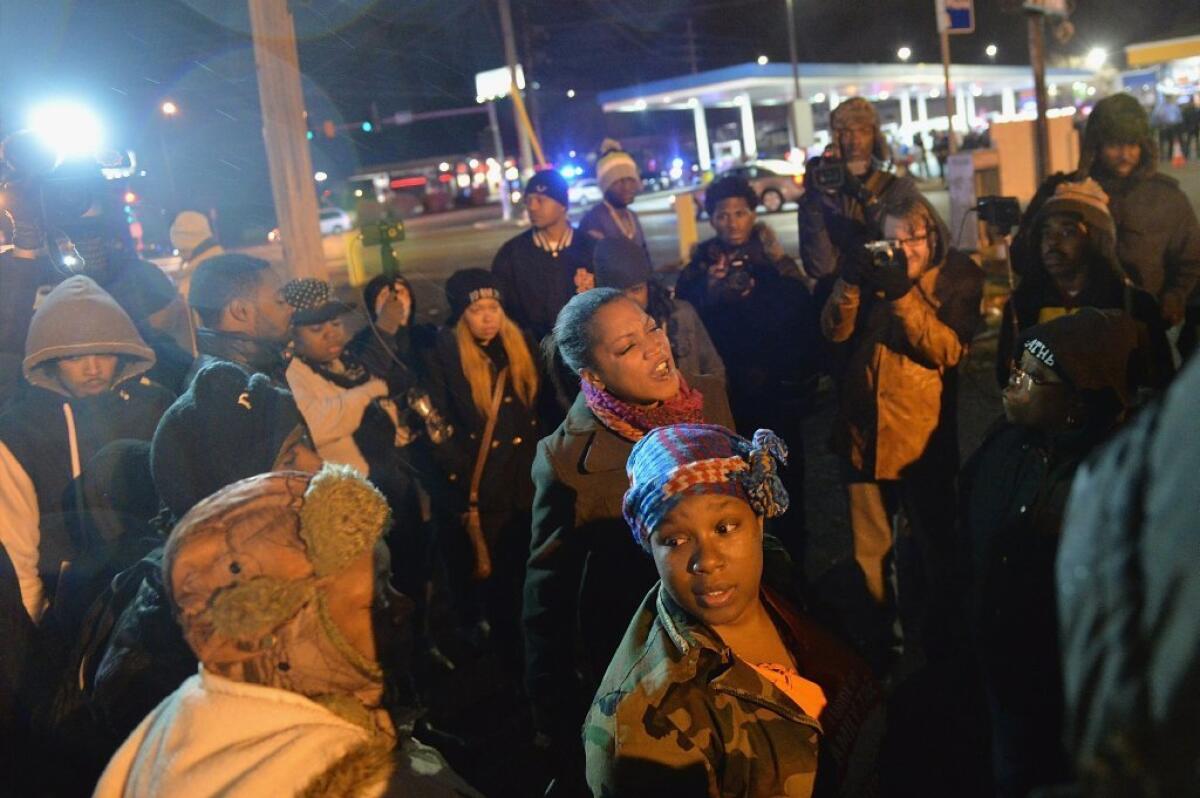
631,421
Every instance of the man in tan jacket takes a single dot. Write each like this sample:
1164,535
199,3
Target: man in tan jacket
906,326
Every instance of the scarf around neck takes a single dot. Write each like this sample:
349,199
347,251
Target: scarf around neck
631,421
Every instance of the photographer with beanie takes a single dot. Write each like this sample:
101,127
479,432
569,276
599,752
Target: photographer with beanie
542,268
620,181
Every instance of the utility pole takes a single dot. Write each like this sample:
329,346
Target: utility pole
278,68
801,116
691,37
525,153
944,28
498,143
1037,58
535,113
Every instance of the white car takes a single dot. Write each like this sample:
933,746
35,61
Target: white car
334,221
584,192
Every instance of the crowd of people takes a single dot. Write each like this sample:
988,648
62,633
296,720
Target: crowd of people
236,532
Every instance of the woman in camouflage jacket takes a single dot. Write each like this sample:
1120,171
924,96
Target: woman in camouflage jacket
721,687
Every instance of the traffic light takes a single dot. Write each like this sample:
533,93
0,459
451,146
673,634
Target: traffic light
367,127
330,129
308,134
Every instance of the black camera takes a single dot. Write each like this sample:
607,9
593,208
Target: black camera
887,254
829,174
1003,213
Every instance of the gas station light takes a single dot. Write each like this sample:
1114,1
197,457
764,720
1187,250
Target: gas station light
991,51
1096,58
904,53
762,60
68,128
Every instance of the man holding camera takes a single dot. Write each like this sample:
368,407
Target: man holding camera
843,191
908,306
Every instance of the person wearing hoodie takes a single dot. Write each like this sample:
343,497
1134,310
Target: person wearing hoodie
84,362
192,236
1157,232
279,583
1070,262
1066,395
243,316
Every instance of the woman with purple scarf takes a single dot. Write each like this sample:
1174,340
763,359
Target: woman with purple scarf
586,576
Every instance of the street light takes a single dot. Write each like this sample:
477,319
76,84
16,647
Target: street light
320,177
904,53
570,94
169,108
68,128
762,60
991,51
1095,58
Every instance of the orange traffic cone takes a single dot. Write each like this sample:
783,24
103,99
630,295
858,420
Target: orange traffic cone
1177,159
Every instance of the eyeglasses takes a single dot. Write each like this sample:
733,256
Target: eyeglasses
911,242
1021,380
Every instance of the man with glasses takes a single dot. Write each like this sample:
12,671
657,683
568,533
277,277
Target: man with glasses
908,319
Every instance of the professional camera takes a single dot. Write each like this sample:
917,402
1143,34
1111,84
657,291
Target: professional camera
828,173
1003,213
886,254
69,201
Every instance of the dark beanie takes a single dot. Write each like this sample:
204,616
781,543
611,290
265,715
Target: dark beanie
142,289
227,426
1089,349
620,263
551,184
467,286
1119,119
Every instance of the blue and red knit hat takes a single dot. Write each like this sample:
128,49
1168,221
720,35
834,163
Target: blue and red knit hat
669,463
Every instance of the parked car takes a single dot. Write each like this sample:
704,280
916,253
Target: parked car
776,182
334,221
584,192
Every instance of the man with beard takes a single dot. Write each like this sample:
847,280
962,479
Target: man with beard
764,327
838,217
243,315
1157,233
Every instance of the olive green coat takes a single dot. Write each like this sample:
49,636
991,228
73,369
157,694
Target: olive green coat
679,714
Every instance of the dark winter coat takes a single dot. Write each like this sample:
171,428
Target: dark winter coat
1014,491
535,284
767,340
586,575
831,224
1158,234
505,487
691,344
1129,604
1037,300
254,355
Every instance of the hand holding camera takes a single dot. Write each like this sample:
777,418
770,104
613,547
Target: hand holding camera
888,270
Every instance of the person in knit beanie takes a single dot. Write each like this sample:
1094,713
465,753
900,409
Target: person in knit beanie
542,268
1158,234
1066,395
280,585
697,501
620,181
192,235
1074,264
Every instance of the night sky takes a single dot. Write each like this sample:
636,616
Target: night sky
124,57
